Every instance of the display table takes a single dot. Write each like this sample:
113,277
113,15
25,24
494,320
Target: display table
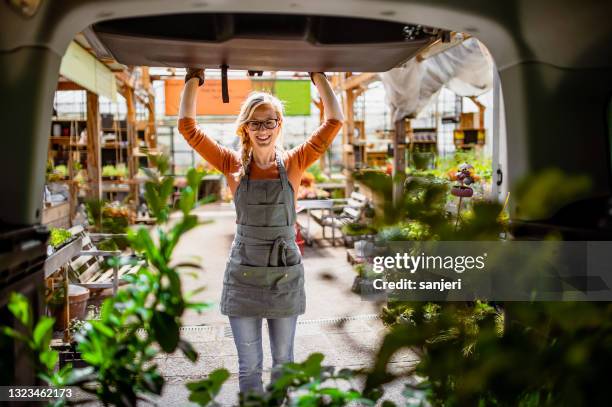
308,205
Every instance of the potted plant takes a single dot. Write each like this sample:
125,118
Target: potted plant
68,352
58,238
362,284
355,231
121,171
109,172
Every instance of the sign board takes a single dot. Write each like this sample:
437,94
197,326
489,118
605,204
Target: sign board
295,95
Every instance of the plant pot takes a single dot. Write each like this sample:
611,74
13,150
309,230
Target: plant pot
78,296
362,286
58,312
356,287
365,247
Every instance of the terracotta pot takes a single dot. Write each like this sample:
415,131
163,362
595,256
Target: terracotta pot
78,297
78,301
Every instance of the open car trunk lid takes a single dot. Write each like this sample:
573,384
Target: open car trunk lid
262,42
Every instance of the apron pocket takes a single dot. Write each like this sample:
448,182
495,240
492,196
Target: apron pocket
267,215
281,279
253,255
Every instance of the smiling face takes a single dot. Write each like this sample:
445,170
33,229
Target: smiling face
264,139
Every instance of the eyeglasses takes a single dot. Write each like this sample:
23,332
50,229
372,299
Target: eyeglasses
255,125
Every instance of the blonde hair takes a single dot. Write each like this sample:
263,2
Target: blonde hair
252,102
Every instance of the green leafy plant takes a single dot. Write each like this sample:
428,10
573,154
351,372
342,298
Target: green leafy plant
61,170
109,171
120,358
37,338
308,383
58,236
57,173
315,170
121,170
358,229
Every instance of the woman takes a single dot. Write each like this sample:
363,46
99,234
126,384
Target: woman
264,276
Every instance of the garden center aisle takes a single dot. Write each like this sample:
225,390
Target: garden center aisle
336,323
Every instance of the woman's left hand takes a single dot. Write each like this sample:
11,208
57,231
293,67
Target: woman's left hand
313,74
331,107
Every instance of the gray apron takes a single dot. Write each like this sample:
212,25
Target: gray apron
264,276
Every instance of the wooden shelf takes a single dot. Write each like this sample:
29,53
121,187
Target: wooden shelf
114,145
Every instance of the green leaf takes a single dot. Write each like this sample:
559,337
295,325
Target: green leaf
75,377
11,333
102,328
19,307
49,358
188,350
166,189
165,331
204,391
199,306
187,264
187,201
43,332
153,382
194,178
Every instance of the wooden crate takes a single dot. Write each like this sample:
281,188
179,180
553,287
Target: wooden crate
57,216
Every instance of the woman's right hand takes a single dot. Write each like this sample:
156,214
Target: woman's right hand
195,73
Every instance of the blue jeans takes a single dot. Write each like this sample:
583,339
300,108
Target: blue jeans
247,337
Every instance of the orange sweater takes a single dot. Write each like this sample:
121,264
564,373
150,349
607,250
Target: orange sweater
296,160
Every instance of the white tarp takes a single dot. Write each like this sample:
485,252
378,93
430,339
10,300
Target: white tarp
466,69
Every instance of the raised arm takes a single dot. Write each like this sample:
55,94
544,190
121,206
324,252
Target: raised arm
189,97
331,107
310,150
218,156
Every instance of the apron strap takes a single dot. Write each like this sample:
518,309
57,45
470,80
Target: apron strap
289,203
282,171
247,172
